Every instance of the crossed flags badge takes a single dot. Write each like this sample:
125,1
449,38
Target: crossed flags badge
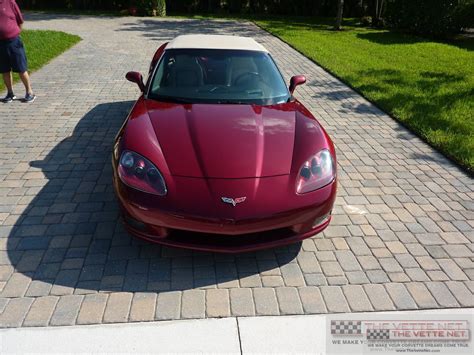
346,327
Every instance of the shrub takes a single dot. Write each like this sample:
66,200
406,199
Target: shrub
150,7
465,14
161,7
438,18
366,21
235,6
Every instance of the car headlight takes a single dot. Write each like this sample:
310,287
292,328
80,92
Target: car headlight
318,171
139,173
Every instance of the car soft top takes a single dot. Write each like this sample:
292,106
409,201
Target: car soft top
198,41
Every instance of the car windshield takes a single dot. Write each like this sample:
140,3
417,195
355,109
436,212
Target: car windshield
218,76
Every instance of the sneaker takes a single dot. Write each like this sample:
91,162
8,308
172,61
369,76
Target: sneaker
9,98
29,98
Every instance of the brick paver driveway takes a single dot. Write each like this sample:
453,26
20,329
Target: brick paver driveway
402,235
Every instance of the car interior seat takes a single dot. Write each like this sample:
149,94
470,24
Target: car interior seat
186,72
238,67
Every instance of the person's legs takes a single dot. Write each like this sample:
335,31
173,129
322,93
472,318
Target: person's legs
5,69
19,64
8,80
25,79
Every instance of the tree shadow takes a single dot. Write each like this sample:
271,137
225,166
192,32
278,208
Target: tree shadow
425,110
309,22
422,158
164,29
70,238
400,38
424,102
348,105
58,15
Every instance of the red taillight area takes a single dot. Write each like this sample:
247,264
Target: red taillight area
139,173
316,172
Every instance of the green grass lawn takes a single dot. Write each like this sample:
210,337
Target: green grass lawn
42,46
425,84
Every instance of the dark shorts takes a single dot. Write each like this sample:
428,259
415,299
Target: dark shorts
12,56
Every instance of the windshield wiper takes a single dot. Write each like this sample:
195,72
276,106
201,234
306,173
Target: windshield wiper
231,102
183,100
178,100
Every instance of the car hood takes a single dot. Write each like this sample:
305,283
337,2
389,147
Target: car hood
225,141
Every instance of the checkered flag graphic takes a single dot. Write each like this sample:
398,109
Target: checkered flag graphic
378,334
344,327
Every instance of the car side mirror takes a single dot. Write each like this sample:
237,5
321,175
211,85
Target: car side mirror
137,78
295,81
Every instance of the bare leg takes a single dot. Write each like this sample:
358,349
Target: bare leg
8,80
25,78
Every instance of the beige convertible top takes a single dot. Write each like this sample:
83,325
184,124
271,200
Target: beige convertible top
198,41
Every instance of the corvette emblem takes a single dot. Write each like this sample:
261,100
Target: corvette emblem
233,201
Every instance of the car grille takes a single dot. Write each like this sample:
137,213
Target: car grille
216,240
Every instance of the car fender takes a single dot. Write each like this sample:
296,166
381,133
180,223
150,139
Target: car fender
137,135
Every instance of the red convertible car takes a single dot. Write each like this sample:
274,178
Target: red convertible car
218,155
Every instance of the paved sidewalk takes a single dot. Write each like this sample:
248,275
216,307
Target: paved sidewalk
401,238
263,335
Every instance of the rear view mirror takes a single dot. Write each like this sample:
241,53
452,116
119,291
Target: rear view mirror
295,81
137,78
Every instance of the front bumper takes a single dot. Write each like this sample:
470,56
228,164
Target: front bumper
210,242
158,220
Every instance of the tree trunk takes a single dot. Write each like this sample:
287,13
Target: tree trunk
213,6
377,21
340,8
